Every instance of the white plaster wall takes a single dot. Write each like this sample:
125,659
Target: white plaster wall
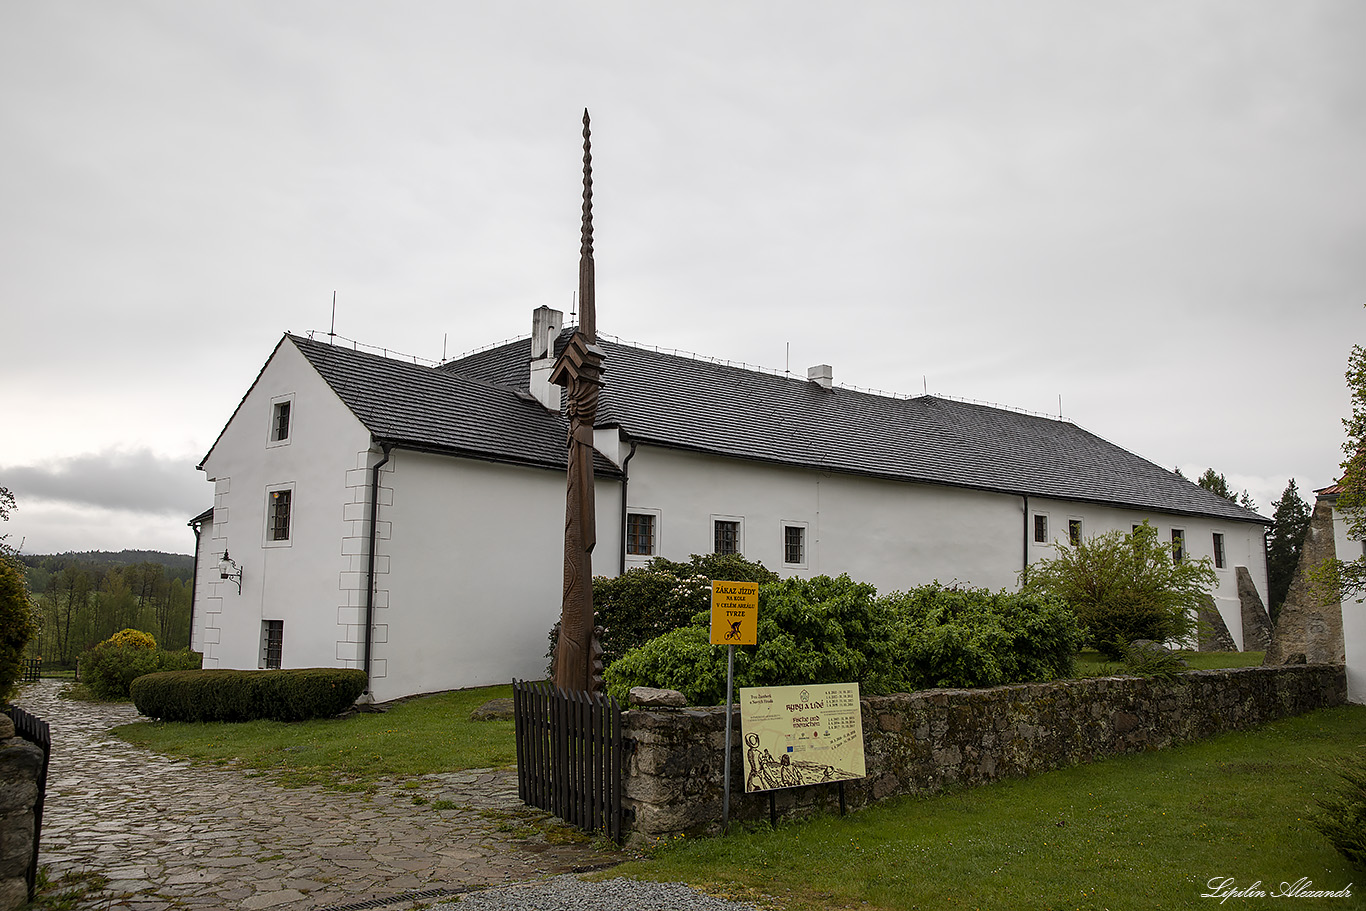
891,534
477,569
299,581
206,571
894,534
1243,545
1353,616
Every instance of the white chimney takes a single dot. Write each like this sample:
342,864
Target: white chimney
822,374
545,328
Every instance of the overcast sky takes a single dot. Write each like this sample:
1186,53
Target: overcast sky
1154,210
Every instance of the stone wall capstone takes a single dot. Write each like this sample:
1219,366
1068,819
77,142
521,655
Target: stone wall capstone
922,742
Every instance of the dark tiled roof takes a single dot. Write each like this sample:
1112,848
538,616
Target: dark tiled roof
425,408
693,404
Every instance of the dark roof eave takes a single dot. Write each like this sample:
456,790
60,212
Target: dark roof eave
908,479
609,471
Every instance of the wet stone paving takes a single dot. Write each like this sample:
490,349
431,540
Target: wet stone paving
169,834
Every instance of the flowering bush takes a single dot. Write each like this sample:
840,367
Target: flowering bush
109,668
132,638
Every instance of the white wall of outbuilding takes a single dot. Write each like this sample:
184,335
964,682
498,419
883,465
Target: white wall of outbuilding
469,555
896,534
1353,614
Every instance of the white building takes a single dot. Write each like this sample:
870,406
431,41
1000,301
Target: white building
458,578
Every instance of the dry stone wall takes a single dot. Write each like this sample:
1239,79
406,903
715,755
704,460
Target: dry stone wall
923,742
1306,628
21,764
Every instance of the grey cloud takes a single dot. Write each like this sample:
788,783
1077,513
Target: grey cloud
138,481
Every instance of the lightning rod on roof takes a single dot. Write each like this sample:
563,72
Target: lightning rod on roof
332,332
1060,406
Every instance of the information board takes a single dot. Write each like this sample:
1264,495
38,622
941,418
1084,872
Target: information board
800,735
734,613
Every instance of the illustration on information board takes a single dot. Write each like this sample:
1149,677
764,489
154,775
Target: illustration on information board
798,736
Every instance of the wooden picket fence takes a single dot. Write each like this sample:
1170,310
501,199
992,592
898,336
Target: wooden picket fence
36,731
570,753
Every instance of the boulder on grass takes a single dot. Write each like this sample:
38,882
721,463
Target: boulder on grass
493,710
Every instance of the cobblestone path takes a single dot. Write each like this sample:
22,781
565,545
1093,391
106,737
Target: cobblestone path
171,834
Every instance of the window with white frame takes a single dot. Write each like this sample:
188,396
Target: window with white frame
1074,532
272,643
279,514
1040,528
281,420
1219,561
1178,545
727,535
640,534
794,543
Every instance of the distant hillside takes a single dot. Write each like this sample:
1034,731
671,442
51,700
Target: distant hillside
177,563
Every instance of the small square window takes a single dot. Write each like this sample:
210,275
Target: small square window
279,425
640,534
1178,545
1218,551
727,537
1040,529
794,544
1074,532
272,643
279,514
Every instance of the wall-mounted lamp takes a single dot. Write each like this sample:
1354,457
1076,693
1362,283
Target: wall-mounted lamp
228,569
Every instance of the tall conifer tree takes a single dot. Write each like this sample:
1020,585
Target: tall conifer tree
1283,545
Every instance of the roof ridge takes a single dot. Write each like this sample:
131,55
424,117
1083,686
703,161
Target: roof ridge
436,371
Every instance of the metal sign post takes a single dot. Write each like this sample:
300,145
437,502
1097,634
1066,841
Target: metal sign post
734,621
730,694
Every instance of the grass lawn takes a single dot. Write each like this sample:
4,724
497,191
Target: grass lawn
416,737
1091,663
1138,832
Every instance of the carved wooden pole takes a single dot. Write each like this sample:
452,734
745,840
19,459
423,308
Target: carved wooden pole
578,664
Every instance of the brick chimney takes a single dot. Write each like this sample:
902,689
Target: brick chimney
545,328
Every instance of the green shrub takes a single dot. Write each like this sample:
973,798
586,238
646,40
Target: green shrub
1342,816
826,630
975,637
17,625
819,630
297,694
1126,587
646,602
109,669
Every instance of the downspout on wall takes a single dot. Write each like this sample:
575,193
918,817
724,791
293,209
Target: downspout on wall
1024,569
370,567
197,525
625,476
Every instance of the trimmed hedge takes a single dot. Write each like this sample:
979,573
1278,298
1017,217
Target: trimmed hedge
297,694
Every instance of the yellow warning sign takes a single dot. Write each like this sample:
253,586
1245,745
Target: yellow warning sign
734,613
